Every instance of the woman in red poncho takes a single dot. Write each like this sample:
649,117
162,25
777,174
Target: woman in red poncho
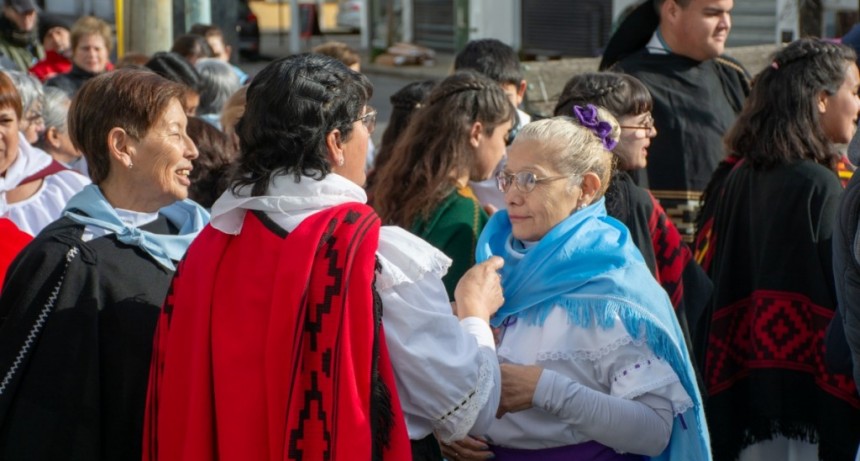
273,345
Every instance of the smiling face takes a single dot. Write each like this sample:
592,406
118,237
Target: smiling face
838,112
8,138
162,159
699,30
636,134
535,213
91,54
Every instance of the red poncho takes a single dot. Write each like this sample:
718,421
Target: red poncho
269,348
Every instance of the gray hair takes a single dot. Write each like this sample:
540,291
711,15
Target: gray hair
29,88
55,110
577,150
218,82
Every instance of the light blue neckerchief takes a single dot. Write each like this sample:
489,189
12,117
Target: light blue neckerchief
589,266
188,216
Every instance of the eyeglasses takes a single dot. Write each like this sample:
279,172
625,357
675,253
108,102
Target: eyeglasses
368,119
647,125
525,180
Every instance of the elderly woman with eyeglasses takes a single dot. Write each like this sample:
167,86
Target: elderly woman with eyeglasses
594,366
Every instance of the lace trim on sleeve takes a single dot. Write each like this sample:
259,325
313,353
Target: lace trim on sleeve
460,419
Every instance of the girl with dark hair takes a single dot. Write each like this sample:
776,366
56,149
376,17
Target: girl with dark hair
404,103
768,235
665,253
460,135
277,309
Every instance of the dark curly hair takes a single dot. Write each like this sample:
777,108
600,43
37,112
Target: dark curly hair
780,121
293,103
209,178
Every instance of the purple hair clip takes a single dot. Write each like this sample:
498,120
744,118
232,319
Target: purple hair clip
588,118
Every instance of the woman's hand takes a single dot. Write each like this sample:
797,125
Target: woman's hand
518,387
468,449
479,291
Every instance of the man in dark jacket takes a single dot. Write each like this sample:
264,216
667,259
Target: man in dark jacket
19,41
675,47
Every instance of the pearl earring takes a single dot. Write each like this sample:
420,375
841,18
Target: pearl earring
130,164
340,161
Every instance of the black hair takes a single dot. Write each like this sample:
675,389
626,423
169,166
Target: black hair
292,104
780,121
174,67
492,58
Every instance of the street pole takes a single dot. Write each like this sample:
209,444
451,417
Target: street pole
295,28
150,26
197,12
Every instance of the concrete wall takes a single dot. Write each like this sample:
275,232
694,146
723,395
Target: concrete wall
546,79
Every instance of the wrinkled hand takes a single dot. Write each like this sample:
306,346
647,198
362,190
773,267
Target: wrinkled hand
518,387
468,449
479,291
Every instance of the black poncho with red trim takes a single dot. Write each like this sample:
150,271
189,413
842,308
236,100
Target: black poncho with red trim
270,347
774,296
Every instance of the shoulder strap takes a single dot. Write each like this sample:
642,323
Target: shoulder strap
53,167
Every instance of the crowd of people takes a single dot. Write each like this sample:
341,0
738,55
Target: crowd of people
199,264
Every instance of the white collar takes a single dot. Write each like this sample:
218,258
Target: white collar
285,196
656,45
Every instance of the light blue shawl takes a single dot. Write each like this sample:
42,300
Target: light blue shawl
588,266
188,216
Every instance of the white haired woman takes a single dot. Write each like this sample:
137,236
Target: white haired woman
594,366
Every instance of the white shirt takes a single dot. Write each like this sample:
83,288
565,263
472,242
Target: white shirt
445,370
609,361
34,213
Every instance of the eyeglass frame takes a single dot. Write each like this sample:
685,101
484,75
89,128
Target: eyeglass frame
369,119
648,126
513,179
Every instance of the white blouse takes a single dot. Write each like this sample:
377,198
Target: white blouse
446,371
577,361
33,214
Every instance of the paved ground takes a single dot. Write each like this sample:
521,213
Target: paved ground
386,79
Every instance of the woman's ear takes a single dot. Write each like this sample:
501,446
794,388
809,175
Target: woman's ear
52,137
590,187
822,102
475,134
121,147
334,146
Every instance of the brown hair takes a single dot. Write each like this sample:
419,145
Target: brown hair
338,50
130,99
209,178
9,96
436,146
91,25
